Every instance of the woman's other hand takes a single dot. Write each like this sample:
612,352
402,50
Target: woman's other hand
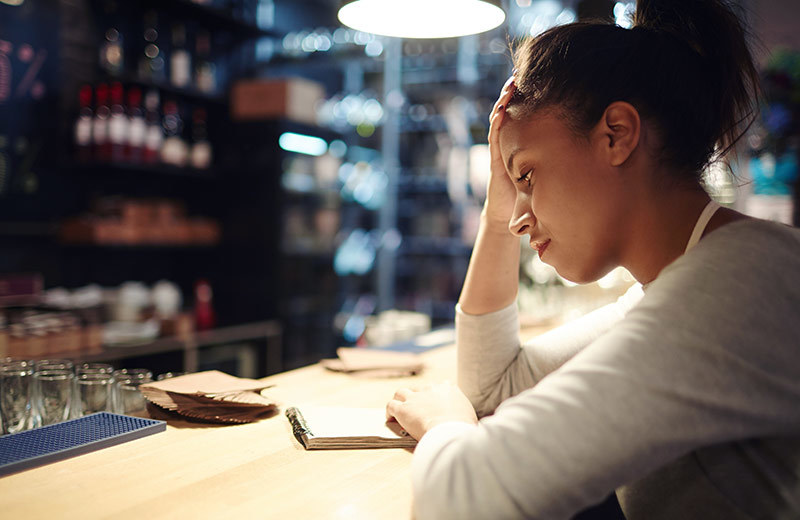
500,191
419,410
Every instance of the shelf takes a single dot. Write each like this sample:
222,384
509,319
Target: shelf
98,168
28,229
166,89
195,95
316,254
315,195
322,60
269,330
435,123
138,247
438,246
413,184
215,16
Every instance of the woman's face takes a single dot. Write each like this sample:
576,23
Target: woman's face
568,200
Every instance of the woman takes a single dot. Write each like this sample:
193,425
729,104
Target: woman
685,397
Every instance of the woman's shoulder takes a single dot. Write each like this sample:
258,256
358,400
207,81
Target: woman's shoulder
757,254
750,240
756,229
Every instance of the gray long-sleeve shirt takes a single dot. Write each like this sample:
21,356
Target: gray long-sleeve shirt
686,401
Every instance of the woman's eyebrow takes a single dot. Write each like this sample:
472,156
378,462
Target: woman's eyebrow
510,161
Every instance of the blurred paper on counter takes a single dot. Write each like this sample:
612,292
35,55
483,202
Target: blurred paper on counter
374,362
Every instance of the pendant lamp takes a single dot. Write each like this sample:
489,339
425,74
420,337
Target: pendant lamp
422,18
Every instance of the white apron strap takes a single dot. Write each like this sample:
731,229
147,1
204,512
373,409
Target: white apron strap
701,224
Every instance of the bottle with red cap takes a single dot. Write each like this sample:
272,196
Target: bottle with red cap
83,125
137,127
205,70
204,316
200,154
174,151
117,123
100,142
154,135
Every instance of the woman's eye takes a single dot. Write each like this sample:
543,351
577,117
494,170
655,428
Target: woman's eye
525,177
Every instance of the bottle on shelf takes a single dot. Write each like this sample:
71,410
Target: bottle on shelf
137,127
100,142
174,151
205,71
154,135
204,316
200,155
151,61
180,65
83,125
118,127
111,52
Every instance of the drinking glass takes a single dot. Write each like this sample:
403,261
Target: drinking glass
54,364
94,392
16,383
169,375
54,395
127,397
90,368
134,373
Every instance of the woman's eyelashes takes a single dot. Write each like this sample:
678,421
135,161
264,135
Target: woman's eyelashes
525,177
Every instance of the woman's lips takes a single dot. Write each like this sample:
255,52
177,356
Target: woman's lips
541,246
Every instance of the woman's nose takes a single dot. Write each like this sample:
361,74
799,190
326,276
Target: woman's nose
522,219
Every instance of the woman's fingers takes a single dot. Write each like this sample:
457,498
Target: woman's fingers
391,409
400,396
403,393
505,94
498,112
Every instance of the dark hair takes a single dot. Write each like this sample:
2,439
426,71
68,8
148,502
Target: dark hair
685,65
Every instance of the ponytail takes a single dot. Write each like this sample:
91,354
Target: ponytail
715,31
685,66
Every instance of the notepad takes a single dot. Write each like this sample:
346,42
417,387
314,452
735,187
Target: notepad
337,428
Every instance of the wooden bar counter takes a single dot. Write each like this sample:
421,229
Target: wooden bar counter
256,470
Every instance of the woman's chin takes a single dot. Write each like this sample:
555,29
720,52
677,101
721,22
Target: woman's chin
576,275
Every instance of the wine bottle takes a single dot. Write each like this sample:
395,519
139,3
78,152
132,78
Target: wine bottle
204,316
112,56
180,64
205,70
111,53
83,125
174,150
100,143
151,61
117,123
137,127
200,156
154,136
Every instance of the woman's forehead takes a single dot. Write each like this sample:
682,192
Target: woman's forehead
543,125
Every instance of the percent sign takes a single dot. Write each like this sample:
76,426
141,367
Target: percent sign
5,71
29,82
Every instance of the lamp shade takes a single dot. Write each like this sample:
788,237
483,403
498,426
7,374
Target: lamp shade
422,18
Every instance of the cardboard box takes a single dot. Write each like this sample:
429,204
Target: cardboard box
291,98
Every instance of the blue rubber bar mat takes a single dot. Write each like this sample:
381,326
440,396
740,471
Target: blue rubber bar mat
31,448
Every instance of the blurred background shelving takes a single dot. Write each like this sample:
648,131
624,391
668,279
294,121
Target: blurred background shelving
376,208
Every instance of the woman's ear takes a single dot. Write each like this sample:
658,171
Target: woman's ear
621,128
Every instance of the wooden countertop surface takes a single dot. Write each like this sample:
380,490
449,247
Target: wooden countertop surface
256,470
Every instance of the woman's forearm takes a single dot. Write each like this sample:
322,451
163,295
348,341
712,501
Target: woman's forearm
493,274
